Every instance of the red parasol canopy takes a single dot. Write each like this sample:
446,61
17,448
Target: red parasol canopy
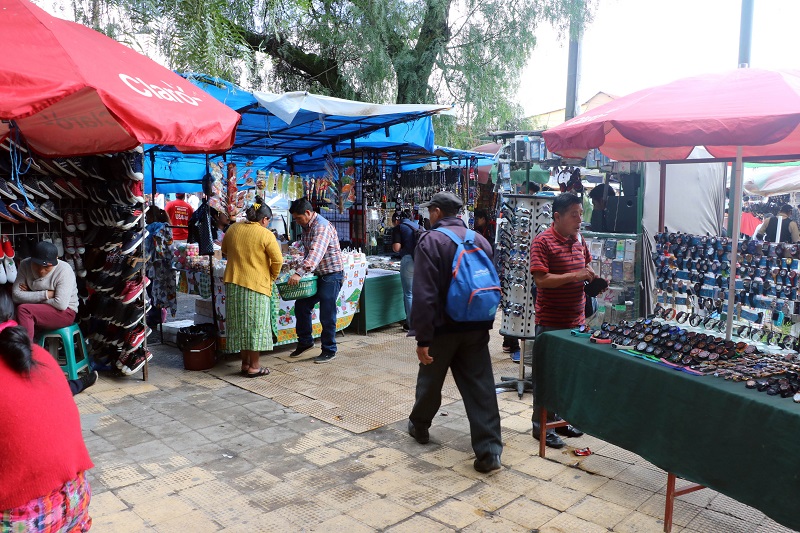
73,91
756,109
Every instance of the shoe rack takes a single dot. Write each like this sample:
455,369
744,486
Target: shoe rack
92,209
522,217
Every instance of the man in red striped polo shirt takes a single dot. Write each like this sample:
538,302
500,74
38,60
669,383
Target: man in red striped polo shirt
560,266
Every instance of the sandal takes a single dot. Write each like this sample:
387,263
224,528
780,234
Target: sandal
262,371
244,370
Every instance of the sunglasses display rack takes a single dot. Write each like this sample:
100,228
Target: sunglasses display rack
704,352
614,260
693,278
522,218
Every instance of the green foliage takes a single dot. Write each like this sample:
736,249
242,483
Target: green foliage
466,52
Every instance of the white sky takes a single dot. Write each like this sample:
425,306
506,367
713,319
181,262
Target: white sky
634,44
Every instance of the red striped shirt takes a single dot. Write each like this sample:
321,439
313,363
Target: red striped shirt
551,253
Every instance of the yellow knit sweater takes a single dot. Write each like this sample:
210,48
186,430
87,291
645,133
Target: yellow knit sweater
254,256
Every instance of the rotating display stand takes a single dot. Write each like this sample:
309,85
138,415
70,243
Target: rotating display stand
522,217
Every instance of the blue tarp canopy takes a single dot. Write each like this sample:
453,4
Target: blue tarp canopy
294,131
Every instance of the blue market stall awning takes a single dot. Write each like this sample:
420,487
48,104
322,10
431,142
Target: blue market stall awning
296,123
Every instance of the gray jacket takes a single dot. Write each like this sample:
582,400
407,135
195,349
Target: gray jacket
61,280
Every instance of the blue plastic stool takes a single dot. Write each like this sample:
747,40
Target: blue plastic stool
70,364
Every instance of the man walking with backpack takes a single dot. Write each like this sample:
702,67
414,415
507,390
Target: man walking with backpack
453,311
404,238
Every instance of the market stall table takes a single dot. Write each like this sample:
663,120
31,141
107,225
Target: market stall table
737,441
381,301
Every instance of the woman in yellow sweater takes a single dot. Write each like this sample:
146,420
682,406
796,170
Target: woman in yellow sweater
254,262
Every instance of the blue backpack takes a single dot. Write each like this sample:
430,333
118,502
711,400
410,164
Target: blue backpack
474,292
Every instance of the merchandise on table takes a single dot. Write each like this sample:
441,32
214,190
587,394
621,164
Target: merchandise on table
773,369
614,260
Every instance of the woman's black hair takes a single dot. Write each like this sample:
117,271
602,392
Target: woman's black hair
15,345
259,210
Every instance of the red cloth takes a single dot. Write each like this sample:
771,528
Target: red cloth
179,213
749,223
41,445
551,253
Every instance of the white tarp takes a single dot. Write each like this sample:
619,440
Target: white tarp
695,196
770,180
286,106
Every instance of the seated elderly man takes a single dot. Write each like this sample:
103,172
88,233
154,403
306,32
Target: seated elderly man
45,291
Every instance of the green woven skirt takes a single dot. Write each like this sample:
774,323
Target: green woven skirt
248,319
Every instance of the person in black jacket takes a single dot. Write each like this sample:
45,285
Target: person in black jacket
442,343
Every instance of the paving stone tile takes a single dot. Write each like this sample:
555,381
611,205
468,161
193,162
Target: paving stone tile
727,505
540,468
513,456
770,526
166,463
186,477
380,513
106,503
418,523
238,512
487,498
382,482
553,495
342,524
622,494
579,480
274,434
711,521
508,478
307,514
324,455
454,513
117,476
210,494
163,509
184,441
382,456
517,423
683,512
645,478
601,512
223,431
448,482
445,457
346,497
144,491
254,480
641,523
354,445
527,513
121,522
603,466
193,521
415,497
620,454
566,522
495,524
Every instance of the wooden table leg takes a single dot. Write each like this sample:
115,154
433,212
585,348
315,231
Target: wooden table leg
542,431
671,495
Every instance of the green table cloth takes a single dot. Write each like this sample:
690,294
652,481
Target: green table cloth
740,442
381,300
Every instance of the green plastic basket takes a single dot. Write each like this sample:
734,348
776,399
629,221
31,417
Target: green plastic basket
307,287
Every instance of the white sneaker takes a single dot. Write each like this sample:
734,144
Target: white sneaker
3,276
59,243
10,270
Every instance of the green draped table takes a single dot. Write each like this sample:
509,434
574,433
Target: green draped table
740,442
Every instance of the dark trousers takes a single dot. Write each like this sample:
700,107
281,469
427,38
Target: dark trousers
551,417
466,354
328,287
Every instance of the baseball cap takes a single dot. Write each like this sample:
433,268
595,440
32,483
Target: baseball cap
445,201
45,254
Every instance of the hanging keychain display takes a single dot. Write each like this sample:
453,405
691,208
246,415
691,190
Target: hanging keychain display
522,218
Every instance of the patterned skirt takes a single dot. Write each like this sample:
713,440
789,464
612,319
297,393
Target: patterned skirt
66,509
248,319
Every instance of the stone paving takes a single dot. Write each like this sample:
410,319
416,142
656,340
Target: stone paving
188,451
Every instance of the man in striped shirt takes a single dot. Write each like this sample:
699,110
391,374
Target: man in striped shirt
323,258
560,264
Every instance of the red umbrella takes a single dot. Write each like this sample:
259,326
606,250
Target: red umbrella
741,113
758,110
73,91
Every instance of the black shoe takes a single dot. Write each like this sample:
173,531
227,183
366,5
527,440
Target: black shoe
325,357
551,439
420,435
88,379
569,431
405,326
487,464
300,349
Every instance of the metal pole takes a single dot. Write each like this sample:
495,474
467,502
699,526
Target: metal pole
745,33
662,194
736,205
